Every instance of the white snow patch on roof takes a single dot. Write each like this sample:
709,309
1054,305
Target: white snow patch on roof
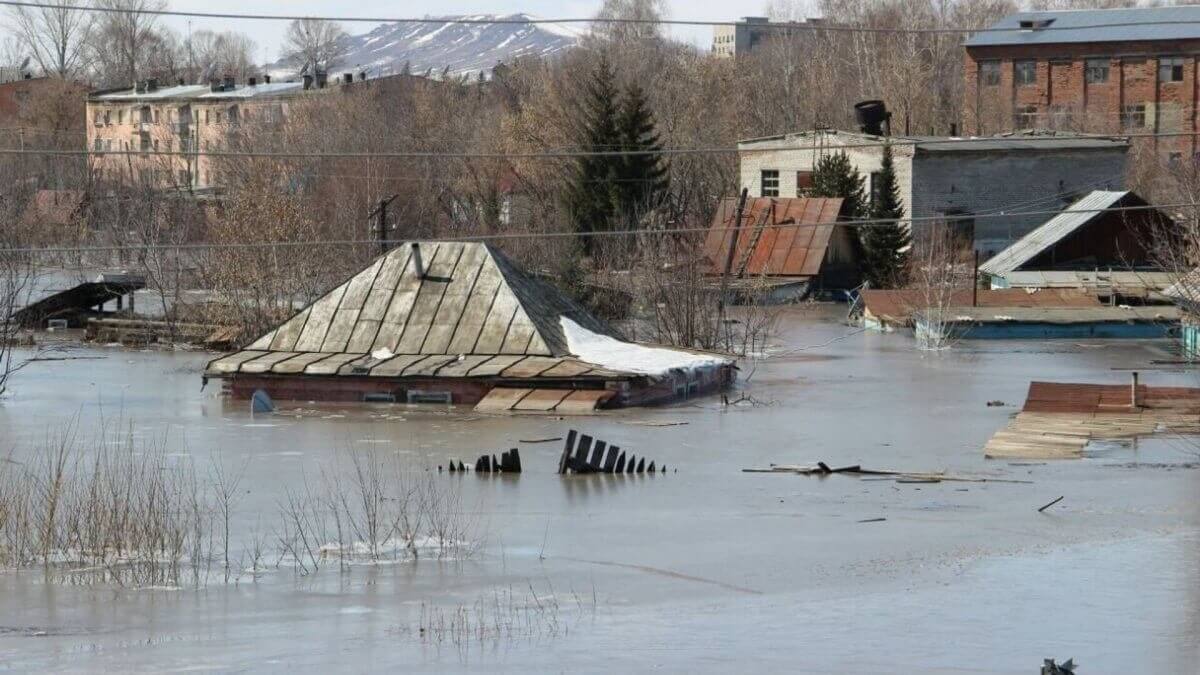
610,352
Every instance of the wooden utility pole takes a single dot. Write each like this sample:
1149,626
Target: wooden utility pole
975,282
380,213
733,240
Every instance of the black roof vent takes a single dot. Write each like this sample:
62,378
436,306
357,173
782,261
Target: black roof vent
1035,24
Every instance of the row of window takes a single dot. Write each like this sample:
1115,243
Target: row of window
1133,117
1095,71
769,183
148,115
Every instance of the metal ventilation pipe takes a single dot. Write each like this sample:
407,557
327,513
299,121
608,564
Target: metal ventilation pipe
418,265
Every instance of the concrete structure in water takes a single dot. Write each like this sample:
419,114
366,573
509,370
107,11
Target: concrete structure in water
453,323
1102,71
951,179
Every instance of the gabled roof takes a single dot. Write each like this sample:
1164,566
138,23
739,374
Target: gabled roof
795,248
1093,25
1053,231
470,300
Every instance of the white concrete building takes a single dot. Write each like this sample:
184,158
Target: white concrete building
971,182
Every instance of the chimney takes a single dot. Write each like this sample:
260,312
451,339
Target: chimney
872,116
308,81
181,81
267,79
362,75
152,84
214,85
252,82
322,79
139,86
229,84
418,266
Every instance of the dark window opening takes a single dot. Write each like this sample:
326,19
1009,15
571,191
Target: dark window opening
804,182
1170,69
769,186
1096,71
1025,73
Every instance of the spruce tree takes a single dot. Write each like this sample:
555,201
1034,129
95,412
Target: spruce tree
835,176
591,196
887,264
642,177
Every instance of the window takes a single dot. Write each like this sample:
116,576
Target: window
1025,73
99,144
770,183
804,182
1096,71
107,118
989,73
1170,69
1025,117
1133,116
121,116
96,118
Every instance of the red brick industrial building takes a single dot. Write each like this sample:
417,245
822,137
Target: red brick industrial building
1130,71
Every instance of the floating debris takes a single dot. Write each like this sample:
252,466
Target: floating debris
580,456
509,462
541,440
823,469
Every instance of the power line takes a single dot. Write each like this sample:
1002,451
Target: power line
897,141
533,21
604,233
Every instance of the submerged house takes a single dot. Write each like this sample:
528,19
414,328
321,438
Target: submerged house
1102,243
456,322
785,248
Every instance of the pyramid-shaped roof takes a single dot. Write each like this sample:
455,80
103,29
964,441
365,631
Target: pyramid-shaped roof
470,299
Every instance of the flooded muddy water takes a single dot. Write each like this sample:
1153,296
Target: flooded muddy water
705,568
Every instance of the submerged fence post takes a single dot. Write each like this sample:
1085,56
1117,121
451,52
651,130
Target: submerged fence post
1133,392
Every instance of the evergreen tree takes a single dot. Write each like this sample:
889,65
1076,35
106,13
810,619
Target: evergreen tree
591,196
835,176
642,178
887,264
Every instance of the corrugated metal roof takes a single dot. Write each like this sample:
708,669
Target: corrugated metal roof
1095,25
1026,140
1066,397
796,249
1051,232
1125,281
1062,315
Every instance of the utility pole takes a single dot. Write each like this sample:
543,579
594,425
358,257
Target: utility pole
380,213
733,240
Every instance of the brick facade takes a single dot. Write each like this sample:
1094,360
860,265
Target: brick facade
1130,90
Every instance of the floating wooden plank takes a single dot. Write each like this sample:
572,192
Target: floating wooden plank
541,400
501,399
583,401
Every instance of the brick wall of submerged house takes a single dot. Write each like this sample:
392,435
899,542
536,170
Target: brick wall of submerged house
1095,80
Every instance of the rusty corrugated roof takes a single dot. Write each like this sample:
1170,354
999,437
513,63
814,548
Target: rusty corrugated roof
795,249
1069,397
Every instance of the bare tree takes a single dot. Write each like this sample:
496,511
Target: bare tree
124,38
55,36
315,42
941,273
630,11
218,54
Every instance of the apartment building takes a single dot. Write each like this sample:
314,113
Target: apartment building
1102,71
184,119
994,190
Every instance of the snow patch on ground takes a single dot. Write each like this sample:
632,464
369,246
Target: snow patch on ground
609,352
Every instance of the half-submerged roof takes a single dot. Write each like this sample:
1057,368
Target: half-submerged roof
1075,216
466,298
777,236
1135,24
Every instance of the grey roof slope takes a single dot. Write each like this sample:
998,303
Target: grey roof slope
471,299
1024,140
1095,25
1052,231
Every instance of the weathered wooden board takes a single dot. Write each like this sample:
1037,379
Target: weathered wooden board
340,330
460,368
454,302
567,368
364,336
319,318
330,365
476,311
541,400
429,367
402,301
520,332
360,285
501,399
495,327
429,299
299,363
531,367
395,366
264,363
583,401
495,365
287,334
264,342
231,363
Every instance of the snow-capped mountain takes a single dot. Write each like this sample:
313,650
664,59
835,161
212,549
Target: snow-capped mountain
464,48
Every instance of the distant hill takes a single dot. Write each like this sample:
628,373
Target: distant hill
464,48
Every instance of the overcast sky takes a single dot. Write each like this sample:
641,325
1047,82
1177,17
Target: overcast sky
267,33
